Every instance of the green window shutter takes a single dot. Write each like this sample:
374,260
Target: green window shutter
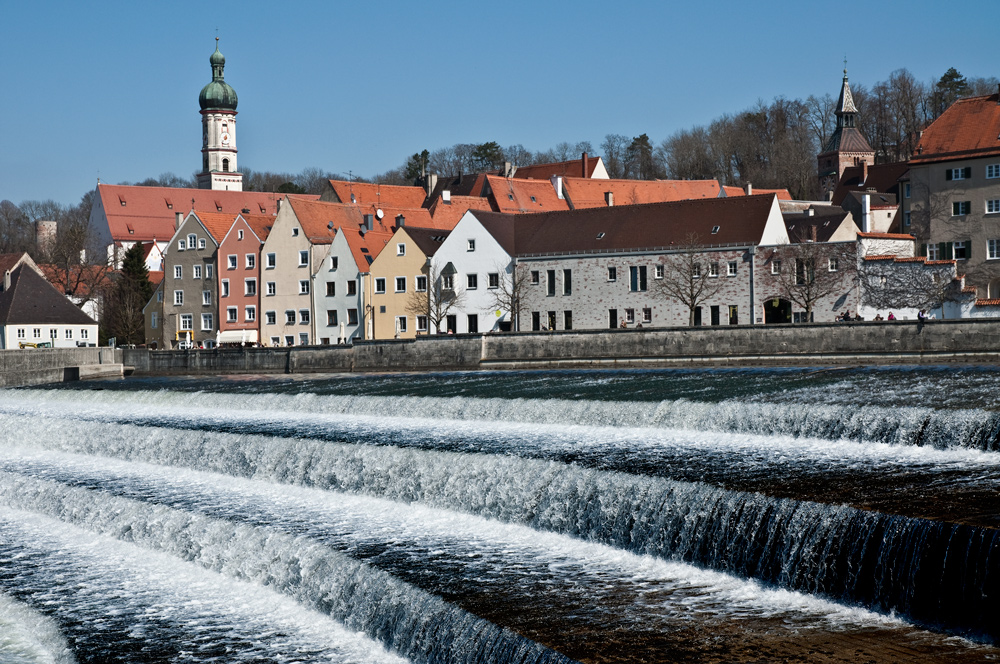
949,251
947,174
968,172
923,250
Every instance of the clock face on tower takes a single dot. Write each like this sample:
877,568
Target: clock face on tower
225,138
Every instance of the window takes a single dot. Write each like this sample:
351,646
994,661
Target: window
400,249
303,286
567,320
400,284
493,280
206,322
181,244
231,314
178,271
734,314
647,315
352,316
178,297
331,288
201,243
37,332
192,240
303,338
250,286
209,272
992,171
550,282
303,257
20,333
380,285
906,190
535,277
472,281
290,339
804,272
304,316
961,250
401,324
775,266
472,245
159,296
731,270
334,262
352,287
196,271
612,273
331,317
232,261
84,334
290,317
713,269
933,252
54,333
696,271
225,165
239,234
421,284
187,322
630,316
225,288
637,278
251,261
958,173
154,321
270,317
421,323
206,297
448,282
961,208
295,232
906,218
275,341
271,260
833,265
658,271
251,313
715,229
993,206
992,249
536,321
473,323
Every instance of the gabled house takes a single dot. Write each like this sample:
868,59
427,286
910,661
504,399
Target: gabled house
584,167
33,313
240,285
400,290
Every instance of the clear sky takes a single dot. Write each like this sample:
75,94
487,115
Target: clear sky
110,89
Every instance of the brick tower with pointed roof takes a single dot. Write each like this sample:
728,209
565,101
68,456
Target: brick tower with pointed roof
846,147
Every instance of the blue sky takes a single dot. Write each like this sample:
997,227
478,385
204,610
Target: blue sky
110,89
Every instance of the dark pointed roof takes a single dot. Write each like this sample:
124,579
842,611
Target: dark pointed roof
31,300
846,137
846,102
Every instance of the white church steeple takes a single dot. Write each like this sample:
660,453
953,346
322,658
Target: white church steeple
218,131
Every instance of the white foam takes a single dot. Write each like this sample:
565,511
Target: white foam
29,637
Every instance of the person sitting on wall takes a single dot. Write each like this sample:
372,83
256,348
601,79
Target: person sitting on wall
623,324
859,317
878,317
892,316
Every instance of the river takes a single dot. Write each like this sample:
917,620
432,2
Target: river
813,515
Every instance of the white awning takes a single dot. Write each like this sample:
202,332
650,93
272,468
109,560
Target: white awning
237,337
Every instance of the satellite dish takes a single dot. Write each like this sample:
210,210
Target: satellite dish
379,213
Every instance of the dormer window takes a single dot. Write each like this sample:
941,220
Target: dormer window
600,236
715,229
533,200
510,197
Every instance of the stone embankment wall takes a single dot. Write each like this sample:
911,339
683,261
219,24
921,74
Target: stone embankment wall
37,366
828,344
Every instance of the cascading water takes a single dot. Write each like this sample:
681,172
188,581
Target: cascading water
471,527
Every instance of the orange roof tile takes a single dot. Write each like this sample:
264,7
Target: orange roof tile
417,216
365,247
141,214
586,193
571,168
216,223
155,277
516,196
320,220
970,127
447,215
881,257
994,302
380,195
886,236
782,194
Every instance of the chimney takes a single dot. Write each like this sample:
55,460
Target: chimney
508,172
812,232
400,221
178,219
586,165
432,182
866,213
278,206
609,198
864,172
749,189
557,184
446,197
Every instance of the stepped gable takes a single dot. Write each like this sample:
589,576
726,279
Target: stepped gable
427,239
447,215
578,168
587,193
143,214
969,128
517,196
379,195
320,220
740,221
33,300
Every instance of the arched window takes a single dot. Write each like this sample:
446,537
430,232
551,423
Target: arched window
225,165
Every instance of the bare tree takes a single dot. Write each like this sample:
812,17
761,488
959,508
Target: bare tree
440,299
615,147
507,296
686,277
808,272
890,284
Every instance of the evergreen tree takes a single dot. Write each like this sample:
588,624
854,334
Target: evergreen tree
124,302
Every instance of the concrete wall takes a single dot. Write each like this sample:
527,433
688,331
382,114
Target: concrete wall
826,344
36,366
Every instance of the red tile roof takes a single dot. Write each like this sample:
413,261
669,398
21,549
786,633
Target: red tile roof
969,128
585,193
216,223
886,236
881,257
517,196
572,168
447,215
155,277
365,247
379,195
141,214
994,302
782,194
417,216
320,220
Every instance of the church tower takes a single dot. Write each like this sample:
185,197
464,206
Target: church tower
218,131
846,147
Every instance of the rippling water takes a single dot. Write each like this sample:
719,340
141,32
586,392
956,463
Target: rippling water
512,517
